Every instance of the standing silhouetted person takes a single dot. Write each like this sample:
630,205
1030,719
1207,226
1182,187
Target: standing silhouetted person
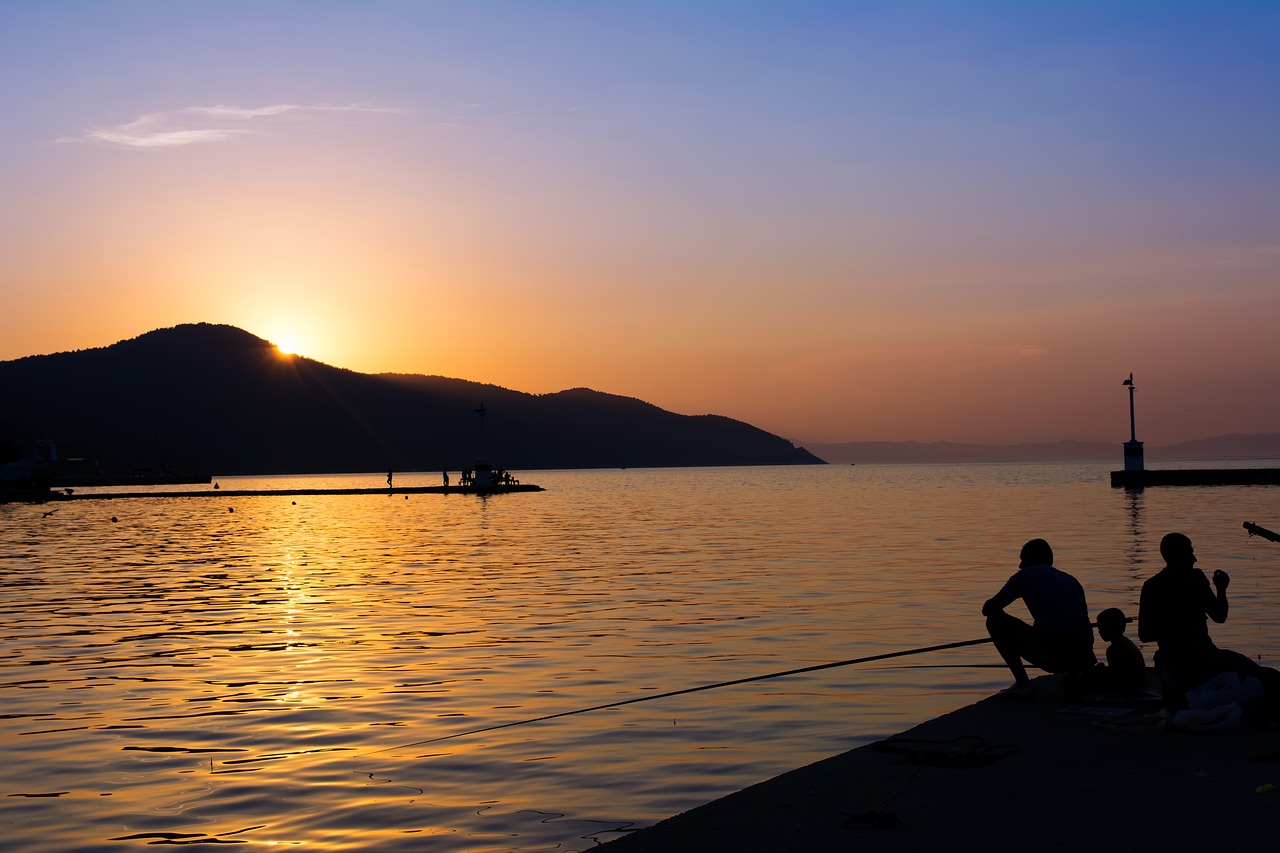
1060,638
1173,612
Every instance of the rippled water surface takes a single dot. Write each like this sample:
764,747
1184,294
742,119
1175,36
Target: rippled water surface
305,671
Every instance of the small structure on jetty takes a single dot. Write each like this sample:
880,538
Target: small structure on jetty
1136,476
485,477
28,479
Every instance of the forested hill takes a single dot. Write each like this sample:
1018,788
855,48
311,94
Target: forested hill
219,399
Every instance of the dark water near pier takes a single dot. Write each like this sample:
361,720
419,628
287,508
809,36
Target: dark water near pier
269,675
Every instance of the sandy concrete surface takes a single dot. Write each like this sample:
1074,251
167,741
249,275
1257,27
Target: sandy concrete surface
1087,775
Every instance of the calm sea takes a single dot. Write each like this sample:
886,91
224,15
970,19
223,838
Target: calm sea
281,670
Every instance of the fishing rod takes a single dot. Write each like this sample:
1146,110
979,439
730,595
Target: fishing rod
736,681
1255,530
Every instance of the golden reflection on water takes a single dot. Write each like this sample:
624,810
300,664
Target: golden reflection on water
283,673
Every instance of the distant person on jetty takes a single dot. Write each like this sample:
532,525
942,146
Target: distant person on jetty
389,479
1060,638
1172,613
446,478
1126,669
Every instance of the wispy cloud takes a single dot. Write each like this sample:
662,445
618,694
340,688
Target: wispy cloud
200,125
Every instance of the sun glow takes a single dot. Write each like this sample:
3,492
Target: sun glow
296,341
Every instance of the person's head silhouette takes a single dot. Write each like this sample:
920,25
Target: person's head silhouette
1111,624
1177,551
1036,553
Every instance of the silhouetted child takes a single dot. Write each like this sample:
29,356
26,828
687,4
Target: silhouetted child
1126,670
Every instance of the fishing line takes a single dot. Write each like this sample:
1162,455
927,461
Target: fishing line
747,680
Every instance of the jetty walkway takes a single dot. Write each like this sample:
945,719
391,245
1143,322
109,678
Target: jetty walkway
1195,477
209,492
1004,774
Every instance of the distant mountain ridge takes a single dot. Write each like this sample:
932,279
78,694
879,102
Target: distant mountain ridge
217,398
1266,445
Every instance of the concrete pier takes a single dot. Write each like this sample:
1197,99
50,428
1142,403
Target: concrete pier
1138,479
1059,776
41,497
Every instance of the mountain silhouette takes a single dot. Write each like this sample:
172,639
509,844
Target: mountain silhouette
217,398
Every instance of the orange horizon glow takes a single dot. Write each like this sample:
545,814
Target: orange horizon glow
976,242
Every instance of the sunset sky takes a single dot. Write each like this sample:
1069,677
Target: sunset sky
838,221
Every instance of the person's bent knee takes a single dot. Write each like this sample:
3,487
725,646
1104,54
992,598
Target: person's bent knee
1004,625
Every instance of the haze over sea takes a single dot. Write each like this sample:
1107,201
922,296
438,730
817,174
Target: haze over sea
271,670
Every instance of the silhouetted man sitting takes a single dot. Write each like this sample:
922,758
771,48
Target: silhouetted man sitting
1060,638
1172,612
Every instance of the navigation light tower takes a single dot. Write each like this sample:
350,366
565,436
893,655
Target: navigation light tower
1132,447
